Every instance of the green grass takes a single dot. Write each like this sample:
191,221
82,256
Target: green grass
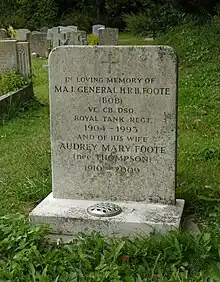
25,179
25,152
128,39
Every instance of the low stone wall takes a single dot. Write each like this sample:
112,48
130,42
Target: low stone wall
16,98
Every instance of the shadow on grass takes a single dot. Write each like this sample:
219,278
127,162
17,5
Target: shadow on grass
17,111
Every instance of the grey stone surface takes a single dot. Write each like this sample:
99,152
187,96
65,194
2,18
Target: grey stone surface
8,55
76,38
96,27
24,58
113,139
58,35
15,55
69,217
39,43
113,123
3,33
16,98
44,29
68,28
108,36
21,34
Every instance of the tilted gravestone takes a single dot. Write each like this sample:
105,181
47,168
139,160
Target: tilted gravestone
96,27
108,36
113,141
15,55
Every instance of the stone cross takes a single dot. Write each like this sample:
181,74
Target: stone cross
110,62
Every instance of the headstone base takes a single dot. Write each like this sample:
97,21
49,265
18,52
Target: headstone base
69,217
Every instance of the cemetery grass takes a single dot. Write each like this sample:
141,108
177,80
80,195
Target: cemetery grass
25,179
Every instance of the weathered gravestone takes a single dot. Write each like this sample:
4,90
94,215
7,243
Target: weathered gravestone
15,55
108,36
39,43
21,34
78,37
8,55
3,34
58,35
96,27
54,34
113,138
44,29
24,58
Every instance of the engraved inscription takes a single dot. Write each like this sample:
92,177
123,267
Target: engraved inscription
108,119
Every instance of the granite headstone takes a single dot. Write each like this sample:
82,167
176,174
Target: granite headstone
108,36
113,139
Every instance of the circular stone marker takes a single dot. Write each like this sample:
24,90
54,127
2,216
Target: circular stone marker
104,210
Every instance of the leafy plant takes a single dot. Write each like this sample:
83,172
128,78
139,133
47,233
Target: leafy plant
93,39
11,81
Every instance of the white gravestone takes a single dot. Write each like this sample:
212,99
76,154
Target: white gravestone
113,139
95,28
108,36
56,36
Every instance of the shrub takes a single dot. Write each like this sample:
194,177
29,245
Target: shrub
154,20
93,39
11,81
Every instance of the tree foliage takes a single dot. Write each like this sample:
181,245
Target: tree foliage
33,14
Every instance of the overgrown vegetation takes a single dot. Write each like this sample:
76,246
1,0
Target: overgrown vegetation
93,39
11,81
25,256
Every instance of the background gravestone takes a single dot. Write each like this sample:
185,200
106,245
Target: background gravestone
39,43
54,34
96,27
21,34
113,138
69,28
76,38
108,36
58,35
44,29
8,55
3,34
24,58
